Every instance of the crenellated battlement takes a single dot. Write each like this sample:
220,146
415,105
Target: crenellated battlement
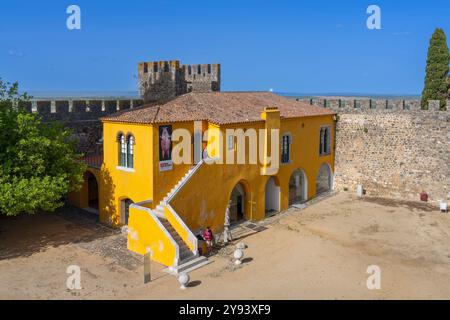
164,80
358,105
70,110
392,147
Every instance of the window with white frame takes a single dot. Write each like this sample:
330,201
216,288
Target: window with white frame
126,150
122,150
286,148
130,152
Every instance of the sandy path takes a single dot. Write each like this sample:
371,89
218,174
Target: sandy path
321,252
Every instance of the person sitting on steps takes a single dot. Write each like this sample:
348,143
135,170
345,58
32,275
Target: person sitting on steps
208,237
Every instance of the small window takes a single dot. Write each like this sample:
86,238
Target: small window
209,68
325,141
130,152
126,150
155,66
122,151
189,70
286,149
166,66
199,69
145,67
231,142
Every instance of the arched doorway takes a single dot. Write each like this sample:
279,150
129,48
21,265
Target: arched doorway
324,179
238,201
298,187
93,202
272,197
125,210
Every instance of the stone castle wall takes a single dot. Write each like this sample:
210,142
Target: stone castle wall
81,116
391,147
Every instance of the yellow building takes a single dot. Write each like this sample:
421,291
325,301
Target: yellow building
170,170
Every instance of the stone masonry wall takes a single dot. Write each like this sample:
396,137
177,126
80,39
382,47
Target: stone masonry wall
81,116
392,148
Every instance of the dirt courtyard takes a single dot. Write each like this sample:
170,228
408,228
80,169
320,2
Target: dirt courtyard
319,252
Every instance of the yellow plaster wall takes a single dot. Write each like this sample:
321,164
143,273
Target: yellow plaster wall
117,184
164,181
145,234
203,199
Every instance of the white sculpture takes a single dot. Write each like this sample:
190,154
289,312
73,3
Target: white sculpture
227,233
183,279
238,255
443,207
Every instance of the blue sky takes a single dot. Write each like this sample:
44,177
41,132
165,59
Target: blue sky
290,46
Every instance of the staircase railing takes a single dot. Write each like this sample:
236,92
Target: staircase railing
181,228
145,231
183,182
175,220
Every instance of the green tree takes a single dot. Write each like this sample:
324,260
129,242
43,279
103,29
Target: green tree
38,162
437,85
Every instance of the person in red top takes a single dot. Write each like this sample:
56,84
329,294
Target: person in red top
208,237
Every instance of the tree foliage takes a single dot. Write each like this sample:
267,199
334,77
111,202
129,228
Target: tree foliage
38,162
437,84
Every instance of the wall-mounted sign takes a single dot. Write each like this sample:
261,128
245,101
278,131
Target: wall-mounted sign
165,148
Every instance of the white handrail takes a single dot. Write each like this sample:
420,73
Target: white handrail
191,237
161,226
184,180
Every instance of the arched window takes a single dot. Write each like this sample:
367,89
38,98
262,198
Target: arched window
325,141
122,150
126,150
130,152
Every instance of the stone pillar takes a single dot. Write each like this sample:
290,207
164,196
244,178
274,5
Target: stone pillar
70,105
88,109
103,105
34,106
117,105
131,104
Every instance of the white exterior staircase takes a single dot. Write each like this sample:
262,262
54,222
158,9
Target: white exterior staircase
188,260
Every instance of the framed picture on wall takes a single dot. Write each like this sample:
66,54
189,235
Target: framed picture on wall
165,148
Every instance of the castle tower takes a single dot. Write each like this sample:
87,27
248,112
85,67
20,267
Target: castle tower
165,80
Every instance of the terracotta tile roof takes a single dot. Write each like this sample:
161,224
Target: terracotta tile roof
218,108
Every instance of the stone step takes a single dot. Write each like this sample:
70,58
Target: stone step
185,255
191,264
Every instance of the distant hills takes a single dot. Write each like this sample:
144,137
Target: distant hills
135,95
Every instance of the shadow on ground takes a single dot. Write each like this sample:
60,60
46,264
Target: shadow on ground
24,235
396,203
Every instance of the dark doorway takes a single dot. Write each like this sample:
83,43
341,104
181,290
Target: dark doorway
125,209
237,204
93,202
240,208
